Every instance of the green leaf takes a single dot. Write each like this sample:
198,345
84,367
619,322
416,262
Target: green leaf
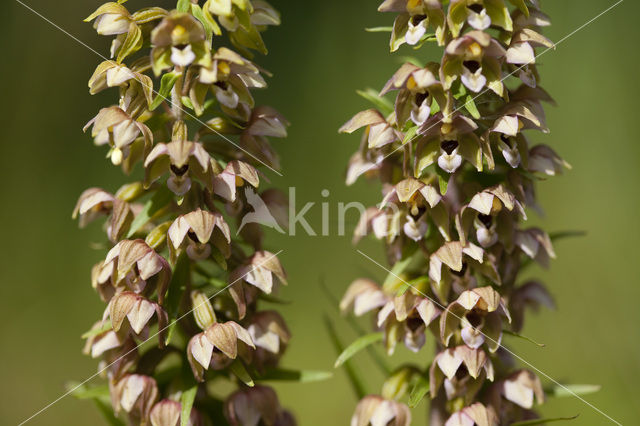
418,283
379,29
93,392
528,339
410,135
238,368
355,347
95,331
566,234
571,390
398,268
302,376
470,105
183,5
177,286
166,84
155,205
443,180
384,105
543,421
354,379
418,391
186,400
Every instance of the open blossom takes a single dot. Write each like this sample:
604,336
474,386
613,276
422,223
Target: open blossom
175,271
458,180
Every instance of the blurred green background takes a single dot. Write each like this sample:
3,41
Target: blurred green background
319,56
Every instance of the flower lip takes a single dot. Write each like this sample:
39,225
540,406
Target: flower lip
477,8
485,219
449,146
416,19
472,66
421,97
179,171
461,272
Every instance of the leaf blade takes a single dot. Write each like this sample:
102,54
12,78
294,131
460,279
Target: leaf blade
355,347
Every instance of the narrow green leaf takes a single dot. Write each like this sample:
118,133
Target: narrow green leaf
151,208
470,105
384,105
238,368
166,84
396,271
571,390
377,358
566,234
354,379
543,421
95,331
415,283
183,5
443,180
302,376
410,135
357,345
520,336
93,392
379,29
418,392
186,400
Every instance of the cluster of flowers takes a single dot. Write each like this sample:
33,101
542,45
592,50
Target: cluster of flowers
457,173
175,269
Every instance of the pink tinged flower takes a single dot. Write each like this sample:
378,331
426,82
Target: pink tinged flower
110,19
98,344
183,159
523,388
531,294
254,406
93,202
260,271
234,175
536,244
266,121
269,331
115,127
374,410
133,264
415,229
137,310
447,363
135,394
379,131
474,414
365,295
220,337
543,159
522,43
168,413
196,230
451,254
